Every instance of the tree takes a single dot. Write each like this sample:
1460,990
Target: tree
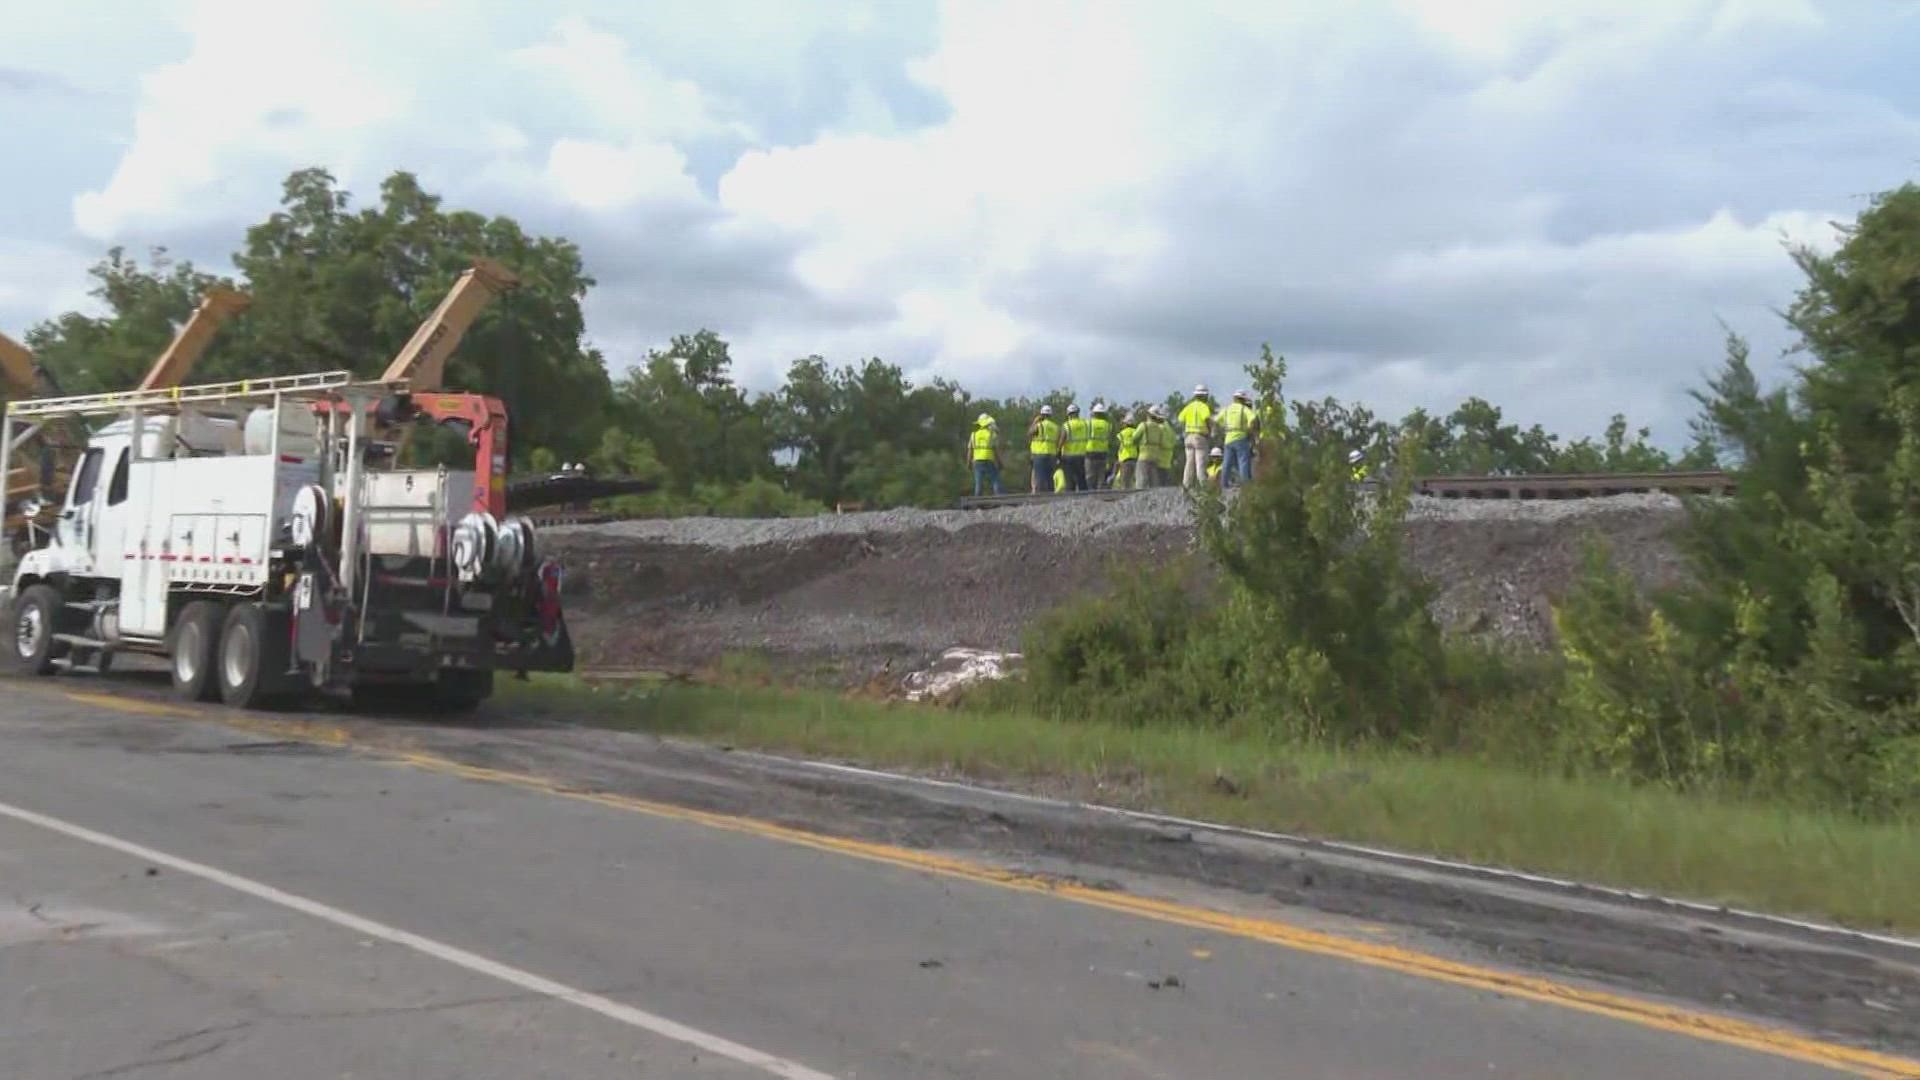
335,288
683,402
88,354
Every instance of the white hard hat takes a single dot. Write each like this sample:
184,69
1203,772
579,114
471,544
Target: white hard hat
1355,457
1215,452
1158,412
1200,390
1073,408
1100,408
983,421
1243,395
1046,410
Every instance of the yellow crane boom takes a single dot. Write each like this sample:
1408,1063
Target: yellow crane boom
423,361
172,366
16,369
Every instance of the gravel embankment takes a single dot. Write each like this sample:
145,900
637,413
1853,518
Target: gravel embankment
852,598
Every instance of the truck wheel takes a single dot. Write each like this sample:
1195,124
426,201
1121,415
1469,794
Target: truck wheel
461,690
253,657
31,648
191,650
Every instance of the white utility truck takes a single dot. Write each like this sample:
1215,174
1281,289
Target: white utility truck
254,534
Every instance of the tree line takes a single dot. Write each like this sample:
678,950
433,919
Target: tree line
338,286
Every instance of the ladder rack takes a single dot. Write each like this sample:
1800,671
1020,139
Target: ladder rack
319,384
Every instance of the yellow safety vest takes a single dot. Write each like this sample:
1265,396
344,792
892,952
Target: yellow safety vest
1099,435
1193,418
1213,470
1045,438
1076,437
983,444
1359,474
1237,419
1156,443
1129,443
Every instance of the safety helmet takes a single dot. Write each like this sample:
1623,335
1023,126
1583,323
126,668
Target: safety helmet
1215,452
1355,457
1046,410
1073,410
1158,412
1200,390
1133,416
1243,395
1099,408
984,421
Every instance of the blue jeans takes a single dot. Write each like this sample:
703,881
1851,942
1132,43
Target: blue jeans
986,473
1239,463
1043,465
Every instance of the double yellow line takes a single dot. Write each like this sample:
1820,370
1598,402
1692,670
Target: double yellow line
1698,1025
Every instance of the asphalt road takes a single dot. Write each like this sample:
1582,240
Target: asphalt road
181,898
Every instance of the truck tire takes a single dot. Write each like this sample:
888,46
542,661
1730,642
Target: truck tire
461,690
253,657
31,624
192,651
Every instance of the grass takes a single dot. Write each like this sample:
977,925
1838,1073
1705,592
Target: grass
1745,854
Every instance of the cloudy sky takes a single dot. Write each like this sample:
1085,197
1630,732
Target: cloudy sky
1552,205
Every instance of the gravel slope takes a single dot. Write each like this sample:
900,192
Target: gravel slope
852,598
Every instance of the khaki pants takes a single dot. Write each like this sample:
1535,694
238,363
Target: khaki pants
1147,474
1196,471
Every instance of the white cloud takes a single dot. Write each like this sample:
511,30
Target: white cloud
262,83
1415,199
600,176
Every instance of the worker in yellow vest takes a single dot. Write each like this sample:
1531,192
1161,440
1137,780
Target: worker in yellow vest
1129,439
1099,446
1196,427
1238,422
983,455
1156,450
1043,446
1357,462
1214,458
1073,449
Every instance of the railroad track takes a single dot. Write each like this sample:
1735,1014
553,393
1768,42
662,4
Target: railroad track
1538,486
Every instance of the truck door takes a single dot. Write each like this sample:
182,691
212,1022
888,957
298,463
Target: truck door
110,518
75,528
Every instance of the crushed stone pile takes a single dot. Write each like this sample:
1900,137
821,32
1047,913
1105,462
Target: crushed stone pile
849,599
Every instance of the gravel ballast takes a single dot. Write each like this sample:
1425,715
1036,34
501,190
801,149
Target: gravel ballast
867,597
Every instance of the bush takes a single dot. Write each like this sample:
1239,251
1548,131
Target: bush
1313,628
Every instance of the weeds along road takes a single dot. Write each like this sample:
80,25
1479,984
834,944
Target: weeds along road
209,894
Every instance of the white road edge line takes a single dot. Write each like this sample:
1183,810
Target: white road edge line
526,980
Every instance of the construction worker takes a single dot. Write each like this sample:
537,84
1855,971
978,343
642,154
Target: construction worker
1357,461
1099,446
983,455
1196,427
1073,448
1156,450
1043,444
1214,459
1238,423
1129,439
